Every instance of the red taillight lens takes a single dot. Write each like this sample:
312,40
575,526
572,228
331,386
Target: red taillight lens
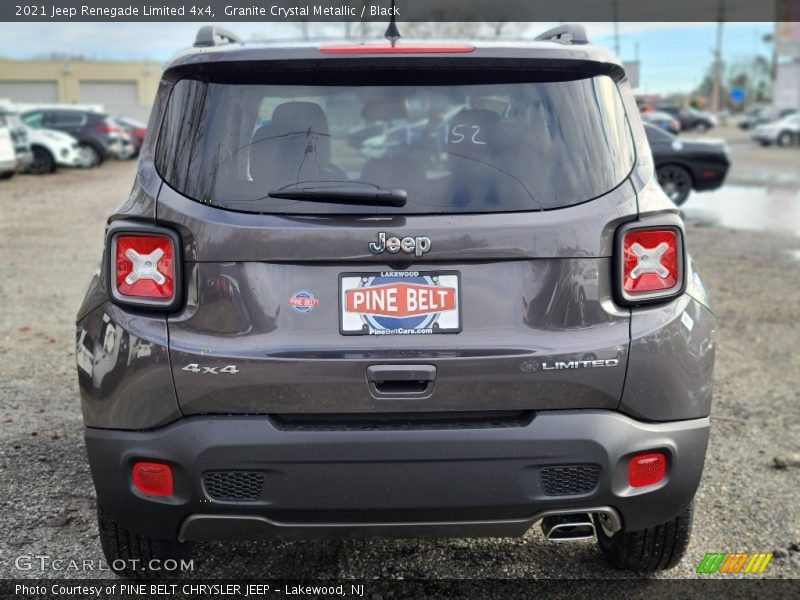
144,267
153,479
651,263
646,469
107,128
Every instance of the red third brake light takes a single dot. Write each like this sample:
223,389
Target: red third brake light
153,479
646,469
651,264
144,267
396,49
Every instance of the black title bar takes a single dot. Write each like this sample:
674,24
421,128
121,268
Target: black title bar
406,10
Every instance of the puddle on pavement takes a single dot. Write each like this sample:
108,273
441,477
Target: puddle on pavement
747,207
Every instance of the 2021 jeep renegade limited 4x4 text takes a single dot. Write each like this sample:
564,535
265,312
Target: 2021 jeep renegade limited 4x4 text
396,290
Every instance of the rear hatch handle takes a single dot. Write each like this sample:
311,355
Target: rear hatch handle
401,381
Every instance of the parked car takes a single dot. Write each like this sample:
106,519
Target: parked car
333,344
785,132
764,114
135,129
662,120
98,136
686,165
689,118
8,158
52,149
19,139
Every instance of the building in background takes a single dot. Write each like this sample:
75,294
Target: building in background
120,87
787,64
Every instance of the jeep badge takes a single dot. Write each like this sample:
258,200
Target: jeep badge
410,245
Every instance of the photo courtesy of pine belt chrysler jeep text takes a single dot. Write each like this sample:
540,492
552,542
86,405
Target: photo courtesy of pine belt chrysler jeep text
399,289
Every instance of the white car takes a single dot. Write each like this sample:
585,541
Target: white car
784,132
8,158
52,149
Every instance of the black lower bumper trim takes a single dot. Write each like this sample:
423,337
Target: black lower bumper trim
367,482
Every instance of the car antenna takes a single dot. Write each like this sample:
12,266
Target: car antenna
392,33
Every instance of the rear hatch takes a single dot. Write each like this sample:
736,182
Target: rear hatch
397,247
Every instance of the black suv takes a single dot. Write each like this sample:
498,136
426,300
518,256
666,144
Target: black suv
479,318
97,134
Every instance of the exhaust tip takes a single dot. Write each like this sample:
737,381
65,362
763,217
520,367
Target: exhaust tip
568,527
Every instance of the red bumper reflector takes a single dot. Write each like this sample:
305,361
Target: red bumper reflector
153,479
398,49
646,469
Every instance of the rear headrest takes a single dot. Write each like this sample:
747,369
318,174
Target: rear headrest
296,143
299,121
291,117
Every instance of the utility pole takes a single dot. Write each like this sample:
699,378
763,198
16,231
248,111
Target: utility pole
716,92
615,8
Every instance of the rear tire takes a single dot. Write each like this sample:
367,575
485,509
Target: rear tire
43,162
122,547
786,138
652,549
675,181
89,156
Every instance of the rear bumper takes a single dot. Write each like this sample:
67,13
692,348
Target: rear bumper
406,482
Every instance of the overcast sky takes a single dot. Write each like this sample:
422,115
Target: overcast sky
674,56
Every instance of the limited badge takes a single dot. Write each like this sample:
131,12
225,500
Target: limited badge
303,301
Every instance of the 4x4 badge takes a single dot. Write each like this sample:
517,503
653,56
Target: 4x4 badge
410,245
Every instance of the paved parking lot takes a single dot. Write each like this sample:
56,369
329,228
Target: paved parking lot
51,236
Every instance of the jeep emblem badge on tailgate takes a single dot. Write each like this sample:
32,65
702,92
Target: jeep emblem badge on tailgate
410,245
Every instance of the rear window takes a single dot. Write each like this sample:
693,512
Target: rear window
452,148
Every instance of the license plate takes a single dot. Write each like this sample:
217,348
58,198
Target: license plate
399,303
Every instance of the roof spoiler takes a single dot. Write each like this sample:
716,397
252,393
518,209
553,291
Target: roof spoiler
211,35
563,34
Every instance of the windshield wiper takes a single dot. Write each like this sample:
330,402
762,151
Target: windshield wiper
342,193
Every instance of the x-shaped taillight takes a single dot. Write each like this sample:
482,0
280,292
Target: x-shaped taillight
144,269
649,260
651,264
145,266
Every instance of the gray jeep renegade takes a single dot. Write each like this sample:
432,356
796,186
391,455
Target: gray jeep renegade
390,289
